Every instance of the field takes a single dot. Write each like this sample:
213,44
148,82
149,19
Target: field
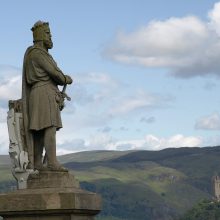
140,185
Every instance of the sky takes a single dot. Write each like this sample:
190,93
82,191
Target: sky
146,73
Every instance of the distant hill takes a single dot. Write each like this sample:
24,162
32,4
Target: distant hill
91,156
4,160
142,185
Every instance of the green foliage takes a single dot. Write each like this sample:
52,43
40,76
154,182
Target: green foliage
129,200
7,186
5,173
143,185
164,178
205,210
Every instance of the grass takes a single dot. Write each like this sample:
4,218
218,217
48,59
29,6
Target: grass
133,185
5,173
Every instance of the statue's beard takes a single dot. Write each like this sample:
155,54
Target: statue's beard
48,44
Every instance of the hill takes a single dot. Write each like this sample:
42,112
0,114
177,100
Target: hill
91,156
4,160
143,185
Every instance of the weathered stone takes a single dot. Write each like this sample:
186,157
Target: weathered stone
53,200
51,196
52,179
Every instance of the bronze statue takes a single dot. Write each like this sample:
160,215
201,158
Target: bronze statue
41,99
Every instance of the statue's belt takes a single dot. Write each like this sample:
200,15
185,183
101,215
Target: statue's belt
42,83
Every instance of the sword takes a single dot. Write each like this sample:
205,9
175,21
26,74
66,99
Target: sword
64,93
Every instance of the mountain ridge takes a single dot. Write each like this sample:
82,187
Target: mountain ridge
161,185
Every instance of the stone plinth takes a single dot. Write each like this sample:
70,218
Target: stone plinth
50,196
47,179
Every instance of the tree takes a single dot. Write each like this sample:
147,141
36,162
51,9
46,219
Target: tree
204,210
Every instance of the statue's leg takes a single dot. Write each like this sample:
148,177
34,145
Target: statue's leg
50,147
38,148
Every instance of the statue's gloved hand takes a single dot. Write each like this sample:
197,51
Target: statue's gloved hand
68,79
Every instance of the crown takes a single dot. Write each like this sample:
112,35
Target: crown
38,30
39,24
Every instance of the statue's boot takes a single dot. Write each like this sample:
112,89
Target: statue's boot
56,167
52,163
50,146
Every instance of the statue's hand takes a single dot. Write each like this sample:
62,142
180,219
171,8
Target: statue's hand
68,79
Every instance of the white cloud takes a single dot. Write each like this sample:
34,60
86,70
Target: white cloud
94,87
95,103
140,100
215,17
3,114
152,142
212,141
149,142
4,140
209,122
96,113
10,88
127,145
96,78
70,146
80,95
178,140
100,141
61,151
10,83
104,141
187,46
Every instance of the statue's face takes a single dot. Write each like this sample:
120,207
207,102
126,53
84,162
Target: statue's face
47,38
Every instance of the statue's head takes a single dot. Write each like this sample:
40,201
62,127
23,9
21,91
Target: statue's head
41,32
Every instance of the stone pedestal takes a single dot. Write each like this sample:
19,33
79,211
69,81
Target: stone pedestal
50,196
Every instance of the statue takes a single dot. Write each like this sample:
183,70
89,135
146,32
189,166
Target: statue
48,189
42,100
17,150
34,120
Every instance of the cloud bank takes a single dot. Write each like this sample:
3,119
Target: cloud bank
149,142
10,83
209,122
187,46
152,142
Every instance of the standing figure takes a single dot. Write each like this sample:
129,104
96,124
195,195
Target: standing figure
41,99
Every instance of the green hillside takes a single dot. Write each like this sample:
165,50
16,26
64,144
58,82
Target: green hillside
4,160
90,156
142,185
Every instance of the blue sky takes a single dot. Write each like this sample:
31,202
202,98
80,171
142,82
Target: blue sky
146,73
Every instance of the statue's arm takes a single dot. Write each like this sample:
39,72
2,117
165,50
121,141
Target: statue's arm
50,67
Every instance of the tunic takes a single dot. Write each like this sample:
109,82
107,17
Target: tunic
42,76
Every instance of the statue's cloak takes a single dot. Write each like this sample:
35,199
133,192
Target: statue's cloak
28,145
